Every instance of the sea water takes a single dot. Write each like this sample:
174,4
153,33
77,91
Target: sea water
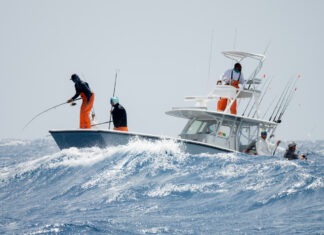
156,188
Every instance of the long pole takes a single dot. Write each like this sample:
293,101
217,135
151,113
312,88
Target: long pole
280,100
286,104
289,98
55,106
101,123
264,93
116,75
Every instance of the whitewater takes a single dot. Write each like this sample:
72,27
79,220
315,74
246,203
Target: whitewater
156,188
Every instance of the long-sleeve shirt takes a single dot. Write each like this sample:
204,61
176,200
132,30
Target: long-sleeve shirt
231,75
119,116
264,147
290,154
82,87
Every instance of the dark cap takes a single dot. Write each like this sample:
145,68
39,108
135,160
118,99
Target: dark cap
74,77
238,66
292,144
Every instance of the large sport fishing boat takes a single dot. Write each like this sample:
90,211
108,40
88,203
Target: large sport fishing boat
207,130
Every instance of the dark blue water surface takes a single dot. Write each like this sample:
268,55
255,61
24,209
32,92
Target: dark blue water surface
156,188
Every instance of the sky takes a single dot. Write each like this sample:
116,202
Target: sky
164,50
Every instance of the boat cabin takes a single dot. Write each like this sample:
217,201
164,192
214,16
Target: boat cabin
221,129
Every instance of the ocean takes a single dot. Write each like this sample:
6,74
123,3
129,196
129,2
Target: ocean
156,188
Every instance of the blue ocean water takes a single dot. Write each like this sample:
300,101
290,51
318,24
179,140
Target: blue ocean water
156,188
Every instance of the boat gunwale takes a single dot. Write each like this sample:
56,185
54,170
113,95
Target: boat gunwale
136,134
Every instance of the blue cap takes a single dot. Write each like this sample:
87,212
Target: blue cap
114,100
264,133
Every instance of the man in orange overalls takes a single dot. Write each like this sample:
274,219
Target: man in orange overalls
232,77
82,89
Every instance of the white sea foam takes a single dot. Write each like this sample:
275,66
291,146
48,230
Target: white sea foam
153,187
4,143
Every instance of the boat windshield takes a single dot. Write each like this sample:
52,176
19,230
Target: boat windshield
200,127
226,133
210,132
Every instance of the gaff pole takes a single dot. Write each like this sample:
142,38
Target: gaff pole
116,75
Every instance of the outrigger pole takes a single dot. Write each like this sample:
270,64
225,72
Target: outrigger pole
116,75
49,110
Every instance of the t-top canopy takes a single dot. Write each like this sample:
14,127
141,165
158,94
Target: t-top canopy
240,55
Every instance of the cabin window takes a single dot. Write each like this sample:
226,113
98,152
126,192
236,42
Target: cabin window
211,128
195,127
248,134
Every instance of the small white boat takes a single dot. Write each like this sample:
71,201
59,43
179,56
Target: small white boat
206,131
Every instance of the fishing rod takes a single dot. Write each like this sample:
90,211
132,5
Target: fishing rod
291,95
116,74
286,104
264,93
279,100
277,145
55,106
282,101
286,99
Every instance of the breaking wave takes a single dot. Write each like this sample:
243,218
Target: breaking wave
154,187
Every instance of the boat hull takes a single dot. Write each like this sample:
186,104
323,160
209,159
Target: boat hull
108,138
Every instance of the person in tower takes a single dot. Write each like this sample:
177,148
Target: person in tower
82,89
232,77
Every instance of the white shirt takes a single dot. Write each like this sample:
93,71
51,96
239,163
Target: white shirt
264,147
226,77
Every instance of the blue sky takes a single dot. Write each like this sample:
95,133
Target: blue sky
163,52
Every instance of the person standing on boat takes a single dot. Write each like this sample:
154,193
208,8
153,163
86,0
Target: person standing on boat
119,115
232,77
290,153
82,89
264,147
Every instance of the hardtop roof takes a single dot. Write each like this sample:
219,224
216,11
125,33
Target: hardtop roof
240,55
205,115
